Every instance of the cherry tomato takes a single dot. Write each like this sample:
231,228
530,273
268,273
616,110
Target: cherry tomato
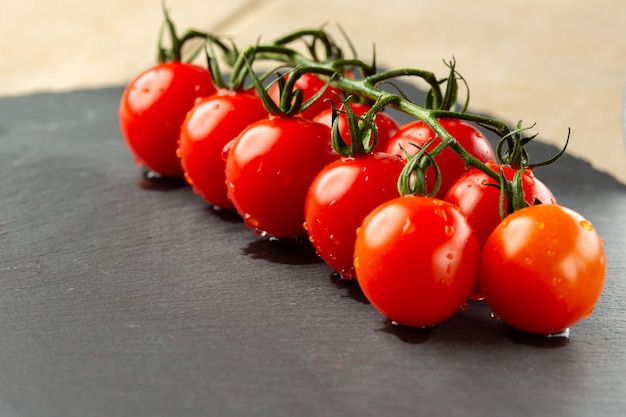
451,165
387,125
269,169
340,197
416,260
310,84
152,110
209,126
477,195
543,269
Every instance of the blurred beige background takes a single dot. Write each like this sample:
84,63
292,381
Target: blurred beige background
559,63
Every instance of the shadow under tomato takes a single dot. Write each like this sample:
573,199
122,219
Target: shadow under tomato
229,216
536,340
289,251
151,181
407,334
353,290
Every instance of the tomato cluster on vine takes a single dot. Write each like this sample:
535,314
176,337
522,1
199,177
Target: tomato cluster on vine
424,215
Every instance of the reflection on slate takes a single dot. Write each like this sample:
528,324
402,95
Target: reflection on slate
121,297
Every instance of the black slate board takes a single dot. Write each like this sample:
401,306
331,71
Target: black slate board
122,296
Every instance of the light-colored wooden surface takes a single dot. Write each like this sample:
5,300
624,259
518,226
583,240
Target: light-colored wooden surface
558,63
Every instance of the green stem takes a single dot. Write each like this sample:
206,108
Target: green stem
366,87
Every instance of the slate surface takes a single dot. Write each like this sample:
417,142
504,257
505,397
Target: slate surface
122,296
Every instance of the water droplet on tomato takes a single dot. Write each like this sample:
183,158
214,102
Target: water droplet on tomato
528,260
188,179
563,333
250,221
226,149
178,153
408,227
540,225
346,274
586,224
450,256
550,253
464,307
260,233
557,280
305,226
356,262
494,316
449,230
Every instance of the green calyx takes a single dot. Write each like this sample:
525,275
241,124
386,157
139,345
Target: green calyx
412,180
510,149
363,129
236,60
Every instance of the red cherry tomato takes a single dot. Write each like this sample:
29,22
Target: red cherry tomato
210,125
387,126
451,165
152,110
310,84
269,169
416,260
543,269
477,195
340,197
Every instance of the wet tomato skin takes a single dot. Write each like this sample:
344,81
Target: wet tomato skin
212,123
269,169
543,269
152,109
417,133
387,126
340,197
416,260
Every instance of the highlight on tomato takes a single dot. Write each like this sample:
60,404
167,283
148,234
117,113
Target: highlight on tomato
543,269
155,103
